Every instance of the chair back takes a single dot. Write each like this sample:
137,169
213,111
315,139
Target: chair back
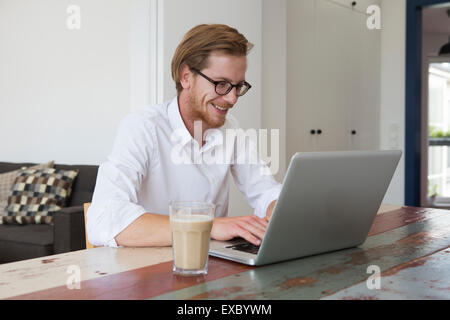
86,207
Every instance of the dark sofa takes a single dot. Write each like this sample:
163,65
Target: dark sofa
20,242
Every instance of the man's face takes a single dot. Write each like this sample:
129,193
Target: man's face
206,104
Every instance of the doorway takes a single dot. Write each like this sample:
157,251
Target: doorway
416,117
435,187
438,148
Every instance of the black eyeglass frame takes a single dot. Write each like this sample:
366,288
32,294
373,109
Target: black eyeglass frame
215,83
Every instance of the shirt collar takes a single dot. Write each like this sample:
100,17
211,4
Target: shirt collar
213,137
177,123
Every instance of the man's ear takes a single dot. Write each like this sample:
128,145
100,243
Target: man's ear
185,76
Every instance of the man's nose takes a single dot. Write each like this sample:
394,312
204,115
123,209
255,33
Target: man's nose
231,97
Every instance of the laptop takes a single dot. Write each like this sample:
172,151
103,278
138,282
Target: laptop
328,202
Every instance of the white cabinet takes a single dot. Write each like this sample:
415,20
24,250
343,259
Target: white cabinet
359,5
333,77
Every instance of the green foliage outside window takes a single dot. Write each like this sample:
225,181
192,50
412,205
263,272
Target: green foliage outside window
432,190
435,133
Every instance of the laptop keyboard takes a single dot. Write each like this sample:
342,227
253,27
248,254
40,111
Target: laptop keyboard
245,246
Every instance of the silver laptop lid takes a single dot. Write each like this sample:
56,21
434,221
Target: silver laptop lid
328,202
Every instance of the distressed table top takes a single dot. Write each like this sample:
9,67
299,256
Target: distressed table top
406,256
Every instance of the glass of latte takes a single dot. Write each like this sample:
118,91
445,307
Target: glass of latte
190,224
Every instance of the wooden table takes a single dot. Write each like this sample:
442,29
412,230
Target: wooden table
409,246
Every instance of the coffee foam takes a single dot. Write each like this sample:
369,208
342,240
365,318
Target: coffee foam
191,218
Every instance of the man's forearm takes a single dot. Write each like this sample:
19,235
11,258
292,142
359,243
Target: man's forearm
270,209
149,230
153,230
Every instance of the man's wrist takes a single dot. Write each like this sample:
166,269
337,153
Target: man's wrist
270,209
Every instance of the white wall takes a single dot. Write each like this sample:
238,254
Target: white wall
392,109
63,91
274,76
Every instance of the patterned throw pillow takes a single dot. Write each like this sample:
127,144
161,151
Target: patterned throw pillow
37,194
7,181
3,204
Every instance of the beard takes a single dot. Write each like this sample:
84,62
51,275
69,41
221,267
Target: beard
202,111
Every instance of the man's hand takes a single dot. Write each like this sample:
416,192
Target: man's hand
251,228
270,209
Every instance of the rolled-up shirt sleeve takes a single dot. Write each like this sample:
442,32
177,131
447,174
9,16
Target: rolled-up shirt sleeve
114,204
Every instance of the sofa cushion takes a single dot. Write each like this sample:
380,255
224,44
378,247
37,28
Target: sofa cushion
30,234
38,193
25,242
82,188
3,204
7,181
84,184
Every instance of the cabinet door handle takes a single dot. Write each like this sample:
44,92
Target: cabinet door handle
319,131
313,131
353,132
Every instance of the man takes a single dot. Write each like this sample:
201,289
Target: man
135,185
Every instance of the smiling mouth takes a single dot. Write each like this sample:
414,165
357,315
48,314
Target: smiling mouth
219,108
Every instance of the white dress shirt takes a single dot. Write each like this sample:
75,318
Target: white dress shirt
149,166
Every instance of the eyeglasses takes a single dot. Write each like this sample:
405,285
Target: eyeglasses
224,87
